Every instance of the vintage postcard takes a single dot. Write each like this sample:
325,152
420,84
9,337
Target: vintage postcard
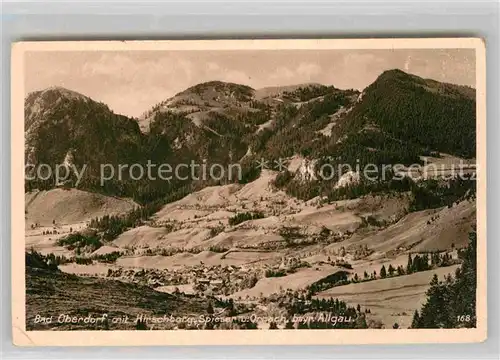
249,192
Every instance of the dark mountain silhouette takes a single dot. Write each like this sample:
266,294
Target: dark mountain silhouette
424,113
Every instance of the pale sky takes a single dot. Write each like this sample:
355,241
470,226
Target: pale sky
132,82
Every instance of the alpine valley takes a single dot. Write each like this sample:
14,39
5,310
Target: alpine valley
281,240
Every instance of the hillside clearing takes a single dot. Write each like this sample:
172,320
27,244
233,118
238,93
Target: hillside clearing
391,300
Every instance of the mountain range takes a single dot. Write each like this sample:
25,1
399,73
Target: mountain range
396,119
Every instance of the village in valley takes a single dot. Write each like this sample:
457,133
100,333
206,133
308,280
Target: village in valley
281,242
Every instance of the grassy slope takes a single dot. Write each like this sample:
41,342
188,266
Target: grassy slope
50,293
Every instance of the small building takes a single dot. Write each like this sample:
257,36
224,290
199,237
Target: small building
216,283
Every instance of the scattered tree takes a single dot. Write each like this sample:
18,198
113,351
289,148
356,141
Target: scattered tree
383,272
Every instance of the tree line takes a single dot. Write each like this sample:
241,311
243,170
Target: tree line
242,217
451,303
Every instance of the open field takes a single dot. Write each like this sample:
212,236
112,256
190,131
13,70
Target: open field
391,300
69,206
207,258
428,230
96,269
298,280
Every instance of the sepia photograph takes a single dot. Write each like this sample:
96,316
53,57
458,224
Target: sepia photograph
186,192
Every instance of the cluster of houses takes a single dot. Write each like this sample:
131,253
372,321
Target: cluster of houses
203,279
